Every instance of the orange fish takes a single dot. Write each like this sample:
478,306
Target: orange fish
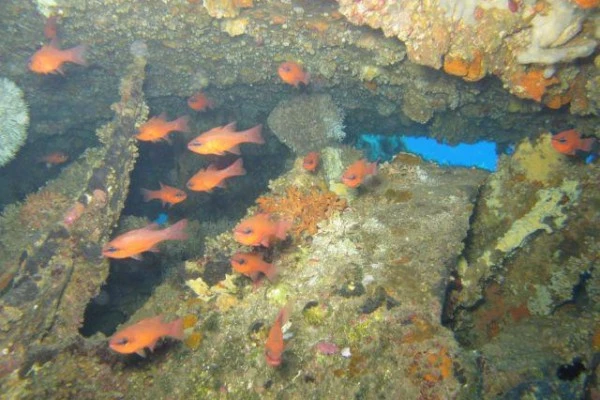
199,102
356,173
274,346
260,230
166,194
311,161
49,59
50,30
251,265
146,333
225,139
293,74
570,142
207,179
134,243
158,128
55,158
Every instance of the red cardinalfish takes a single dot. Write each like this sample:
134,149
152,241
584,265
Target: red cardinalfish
134,243
293,74
252,265
158,128
260,229
311,161
570,142
207,179
225,139
146,333
357,172
55,158
274,346
168,195
199,102
50,59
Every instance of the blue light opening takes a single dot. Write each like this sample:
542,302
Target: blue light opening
383,147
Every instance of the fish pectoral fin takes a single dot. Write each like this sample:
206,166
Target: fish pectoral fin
141,353
265,242
222,184
235,150
137,257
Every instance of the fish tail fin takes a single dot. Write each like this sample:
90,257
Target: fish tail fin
181,124
176,329
253,135
271,272
177,231
148,194
372,168
588,144
306,78
284,313
237,168
283,227
77,54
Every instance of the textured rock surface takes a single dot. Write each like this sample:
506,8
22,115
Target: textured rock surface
307,123
372,279
474,38
51,267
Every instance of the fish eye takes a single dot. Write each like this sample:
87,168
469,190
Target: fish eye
195,144
247,231
351,177
179,194
240,261
121,341
111,249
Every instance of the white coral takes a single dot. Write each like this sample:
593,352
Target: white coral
14,120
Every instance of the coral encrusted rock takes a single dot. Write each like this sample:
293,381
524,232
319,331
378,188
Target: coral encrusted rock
308,123
14,120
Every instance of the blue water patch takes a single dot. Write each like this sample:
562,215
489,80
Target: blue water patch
383,147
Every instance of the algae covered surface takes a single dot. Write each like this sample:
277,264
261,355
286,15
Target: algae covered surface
424,282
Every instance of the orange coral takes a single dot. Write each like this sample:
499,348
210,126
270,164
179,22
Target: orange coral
469,70
438,365
557,101
532,84
587,3
305,208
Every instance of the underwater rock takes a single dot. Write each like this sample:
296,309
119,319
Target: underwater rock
308,123
14,120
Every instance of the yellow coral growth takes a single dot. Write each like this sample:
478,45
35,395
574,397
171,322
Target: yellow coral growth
193,341
305,208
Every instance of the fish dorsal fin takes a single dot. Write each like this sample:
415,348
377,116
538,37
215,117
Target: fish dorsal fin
54,43
211,167
230,127
162,115
161,185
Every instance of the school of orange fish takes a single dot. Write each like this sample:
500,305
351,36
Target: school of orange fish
258,230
